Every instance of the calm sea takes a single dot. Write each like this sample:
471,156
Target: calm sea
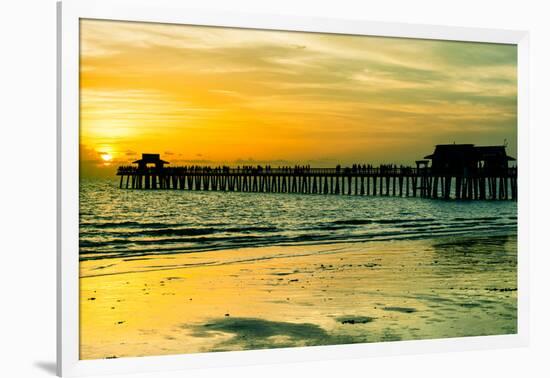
120,223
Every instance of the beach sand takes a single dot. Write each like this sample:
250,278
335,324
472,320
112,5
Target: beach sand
285,296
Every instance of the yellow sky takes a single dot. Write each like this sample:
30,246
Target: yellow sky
202,95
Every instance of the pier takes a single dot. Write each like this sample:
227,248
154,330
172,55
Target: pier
481,183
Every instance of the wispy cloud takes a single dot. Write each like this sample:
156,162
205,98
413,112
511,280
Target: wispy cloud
289,96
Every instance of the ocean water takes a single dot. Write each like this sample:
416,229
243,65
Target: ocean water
118,223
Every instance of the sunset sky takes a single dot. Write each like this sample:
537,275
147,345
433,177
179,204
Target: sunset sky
209,96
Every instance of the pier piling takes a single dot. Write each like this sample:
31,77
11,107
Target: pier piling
371,181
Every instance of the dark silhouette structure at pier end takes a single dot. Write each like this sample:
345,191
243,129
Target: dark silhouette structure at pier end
150,159
466,159
457,171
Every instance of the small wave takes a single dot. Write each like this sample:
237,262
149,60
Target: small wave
326,227
359,222
202,231
195,241
126,224
180,231
124,248
354,221
401,221
252,229
475,219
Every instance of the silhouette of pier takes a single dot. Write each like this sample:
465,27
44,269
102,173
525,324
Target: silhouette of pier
484,180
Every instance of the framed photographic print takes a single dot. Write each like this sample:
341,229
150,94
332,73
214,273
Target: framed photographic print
239,188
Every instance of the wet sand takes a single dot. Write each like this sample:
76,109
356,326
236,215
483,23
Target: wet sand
285,296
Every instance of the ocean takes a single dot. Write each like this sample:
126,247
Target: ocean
118,223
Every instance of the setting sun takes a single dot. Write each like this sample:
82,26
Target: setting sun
106,157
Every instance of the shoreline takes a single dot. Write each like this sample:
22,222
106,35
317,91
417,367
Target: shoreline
481,232
108,262
284,296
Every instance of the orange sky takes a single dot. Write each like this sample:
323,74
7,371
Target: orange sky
202,95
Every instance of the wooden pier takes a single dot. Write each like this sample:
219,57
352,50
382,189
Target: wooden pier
421,181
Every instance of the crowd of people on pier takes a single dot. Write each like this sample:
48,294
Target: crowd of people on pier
260,169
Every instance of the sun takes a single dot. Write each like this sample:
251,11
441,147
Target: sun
106,157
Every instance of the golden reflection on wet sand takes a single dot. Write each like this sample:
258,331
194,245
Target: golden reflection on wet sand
284,296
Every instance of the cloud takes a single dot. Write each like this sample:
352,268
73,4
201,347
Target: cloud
289,96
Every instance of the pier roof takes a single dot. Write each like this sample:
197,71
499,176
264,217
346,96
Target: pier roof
451,150
150,159
460,151
486,152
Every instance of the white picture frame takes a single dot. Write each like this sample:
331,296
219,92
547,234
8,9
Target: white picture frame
166,11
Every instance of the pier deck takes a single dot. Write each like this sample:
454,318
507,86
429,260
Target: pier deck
372,181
